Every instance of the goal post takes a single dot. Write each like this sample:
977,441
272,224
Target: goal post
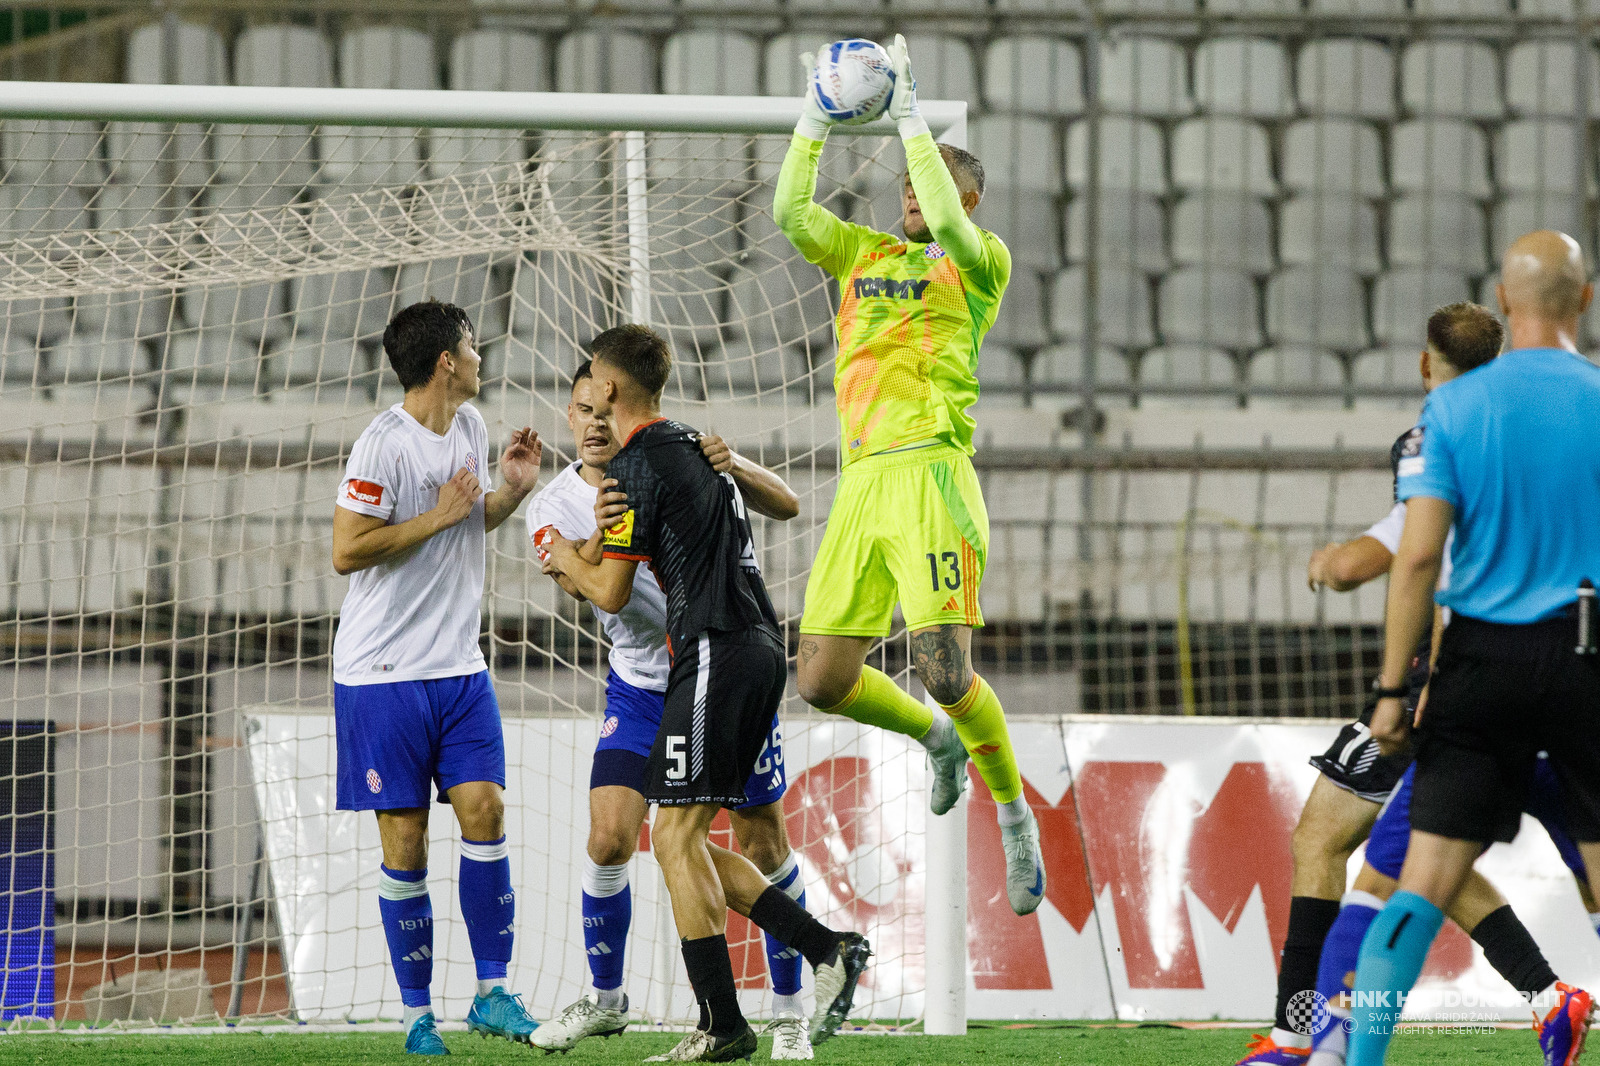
193,284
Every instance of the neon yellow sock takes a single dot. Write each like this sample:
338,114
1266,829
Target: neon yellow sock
877,700
980,721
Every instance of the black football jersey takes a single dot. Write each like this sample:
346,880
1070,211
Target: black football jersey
689,522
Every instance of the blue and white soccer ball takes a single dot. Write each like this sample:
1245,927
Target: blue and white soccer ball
852,81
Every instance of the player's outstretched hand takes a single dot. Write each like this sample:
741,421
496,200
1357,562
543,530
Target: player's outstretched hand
456,498
814,122
519,463
717,453
1317,568
610,505
903,100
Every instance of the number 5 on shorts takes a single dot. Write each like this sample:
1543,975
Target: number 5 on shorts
952,561
680,758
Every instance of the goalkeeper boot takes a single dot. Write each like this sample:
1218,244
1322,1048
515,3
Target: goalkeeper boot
1563,1030
791,1039
1264,1051
949,763
501,1014
423,1038
701,1046
836,985
583,1019
1024,864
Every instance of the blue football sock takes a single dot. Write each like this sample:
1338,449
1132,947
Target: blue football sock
607,913
1391,961
783,963
488,904
1341,951
408,926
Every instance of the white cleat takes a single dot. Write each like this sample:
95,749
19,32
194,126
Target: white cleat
585,1018
1024,865
791,1037
949,764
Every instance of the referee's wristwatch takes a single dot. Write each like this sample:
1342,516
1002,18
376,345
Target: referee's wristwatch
1379,692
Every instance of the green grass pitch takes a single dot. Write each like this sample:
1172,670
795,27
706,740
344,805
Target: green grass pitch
1155,1046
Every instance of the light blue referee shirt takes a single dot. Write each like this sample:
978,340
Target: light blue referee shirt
1514,447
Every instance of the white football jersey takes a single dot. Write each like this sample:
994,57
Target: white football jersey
1387,530
417,617
638,634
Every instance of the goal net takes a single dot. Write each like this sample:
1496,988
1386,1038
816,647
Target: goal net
190,344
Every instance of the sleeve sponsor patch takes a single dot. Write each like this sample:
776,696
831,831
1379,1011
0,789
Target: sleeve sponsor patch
621,534
1409,467
1411,445
541,537
364,492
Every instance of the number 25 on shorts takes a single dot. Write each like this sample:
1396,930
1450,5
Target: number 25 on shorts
945,567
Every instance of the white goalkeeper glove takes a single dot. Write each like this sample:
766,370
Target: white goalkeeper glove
903,101
814,122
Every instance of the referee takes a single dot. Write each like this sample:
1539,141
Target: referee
1508,453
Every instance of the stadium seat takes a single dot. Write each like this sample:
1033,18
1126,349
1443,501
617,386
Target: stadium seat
1021,321
1131,156
1210,306
92,358
40,210
1295,368
1033,75
125,314
1253,7
274,55
355,304
710,63
252,312
1441,156
559,302
1390,8
1352,77
380,57
307,361
468,282
1132,231
1440,229
1223,230
1337,229
1516,215
1243,76
1123,301
1148,7
736,371
134,150
1144,76
1333,155
1222,155
1180,376
1001,369
1318,307
605,61
1061,365
1388,369
1403,300
783,75
1538,155
489,61
779,300
1026,220
51,152
1547,9
1457,8
1022,152
1453,79
944,66
1540,76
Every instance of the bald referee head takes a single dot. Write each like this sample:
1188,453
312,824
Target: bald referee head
1544,289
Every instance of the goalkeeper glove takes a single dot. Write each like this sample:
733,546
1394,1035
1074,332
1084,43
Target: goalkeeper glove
903,101
814,122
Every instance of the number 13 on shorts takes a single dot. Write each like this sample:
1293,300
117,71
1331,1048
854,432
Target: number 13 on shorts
944,569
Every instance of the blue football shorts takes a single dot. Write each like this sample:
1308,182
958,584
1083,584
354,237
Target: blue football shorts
628,732
394,740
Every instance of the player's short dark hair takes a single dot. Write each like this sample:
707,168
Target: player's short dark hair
1466,334
964,165
417,334
639,352
585,370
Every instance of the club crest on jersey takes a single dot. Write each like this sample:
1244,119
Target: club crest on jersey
472,463
608,727
933,251
374,782
364,492
890,287
621,534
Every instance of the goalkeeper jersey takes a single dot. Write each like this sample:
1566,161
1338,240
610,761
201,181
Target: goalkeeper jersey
912,316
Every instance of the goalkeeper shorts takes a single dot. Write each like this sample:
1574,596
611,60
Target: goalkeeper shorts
907,527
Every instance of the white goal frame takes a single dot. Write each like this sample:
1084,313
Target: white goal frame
632,115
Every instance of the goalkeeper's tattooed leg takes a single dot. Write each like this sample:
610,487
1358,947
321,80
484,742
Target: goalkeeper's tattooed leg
942,656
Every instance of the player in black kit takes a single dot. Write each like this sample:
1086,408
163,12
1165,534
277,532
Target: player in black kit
727,678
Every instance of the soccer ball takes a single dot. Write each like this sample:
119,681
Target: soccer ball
852,81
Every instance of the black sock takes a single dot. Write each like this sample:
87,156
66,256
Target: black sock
786,920
1309,921
711,974
705,1016
1510,949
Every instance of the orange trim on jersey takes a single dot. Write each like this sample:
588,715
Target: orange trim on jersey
969,587
653,421
629,558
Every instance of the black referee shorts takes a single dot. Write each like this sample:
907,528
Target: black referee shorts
722,692
1501,694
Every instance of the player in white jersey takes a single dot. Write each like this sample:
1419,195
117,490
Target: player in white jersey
414,709
635,691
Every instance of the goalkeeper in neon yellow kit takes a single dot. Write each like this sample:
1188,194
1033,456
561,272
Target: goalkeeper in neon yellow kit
908,522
